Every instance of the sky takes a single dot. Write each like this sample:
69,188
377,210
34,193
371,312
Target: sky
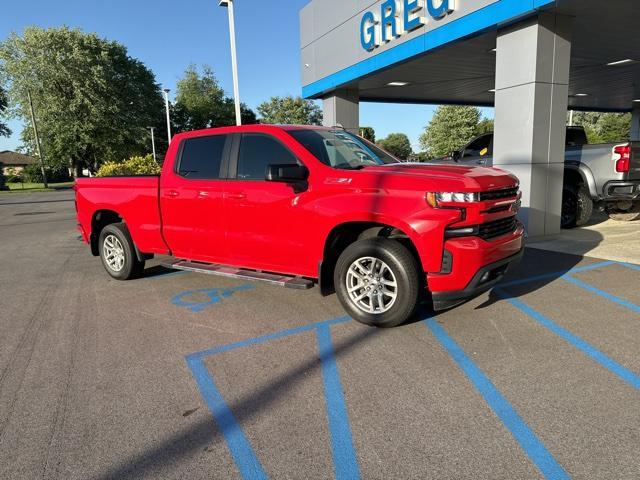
168,36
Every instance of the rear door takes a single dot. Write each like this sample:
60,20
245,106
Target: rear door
192,197
266,221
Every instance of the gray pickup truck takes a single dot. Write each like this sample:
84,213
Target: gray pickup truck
604,176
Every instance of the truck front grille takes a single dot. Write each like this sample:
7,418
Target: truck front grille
497,228
498,194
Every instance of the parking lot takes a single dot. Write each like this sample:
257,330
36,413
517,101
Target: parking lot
182,375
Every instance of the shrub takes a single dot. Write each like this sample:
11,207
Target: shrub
3,179
57,173
133,166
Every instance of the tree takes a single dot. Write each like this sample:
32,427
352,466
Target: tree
604,127
368,133
201,103
451,127
4,130
484,126
397,144
93,101
290,110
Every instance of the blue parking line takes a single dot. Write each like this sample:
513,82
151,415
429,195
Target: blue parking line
241,451
527,439
602,293
344,456
632,266
608,363
545,276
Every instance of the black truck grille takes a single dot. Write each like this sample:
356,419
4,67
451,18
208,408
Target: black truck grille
498,194
497,228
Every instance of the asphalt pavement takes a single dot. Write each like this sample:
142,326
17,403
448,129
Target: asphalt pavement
189,376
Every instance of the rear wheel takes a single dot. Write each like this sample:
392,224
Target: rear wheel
118,253
624,211
377,282
577,206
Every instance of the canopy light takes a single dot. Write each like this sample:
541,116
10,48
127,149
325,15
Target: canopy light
397,84
619,63
581,95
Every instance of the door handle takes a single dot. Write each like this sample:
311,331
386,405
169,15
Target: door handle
236,196
172,193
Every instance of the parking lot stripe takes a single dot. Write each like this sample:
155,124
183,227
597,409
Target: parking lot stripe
527,439
241,451
631,266
602,293
545,276
343,452
266,338
608,363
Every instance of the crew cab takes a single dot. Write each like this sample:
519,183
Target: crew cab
299,206
603,176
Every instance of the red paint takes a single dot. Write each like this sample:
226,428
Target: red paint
268,226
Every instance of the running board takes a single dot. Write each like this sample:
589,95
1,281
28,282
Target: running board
233,272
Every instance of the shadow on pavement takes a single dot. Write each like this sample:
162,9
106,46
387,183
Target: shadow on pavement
205,432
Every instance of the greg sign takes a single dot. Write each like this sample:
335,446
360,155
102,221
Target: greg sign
399,17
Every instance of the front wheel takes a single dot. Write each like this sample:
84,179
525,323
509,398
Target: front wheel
377,282
118,253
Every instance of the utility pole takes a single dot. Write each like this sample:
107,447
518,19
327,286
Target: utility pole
153,144
166,107
234,59
571,118
35,133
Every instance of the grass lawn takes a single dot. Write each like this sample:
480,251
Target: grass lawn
36,187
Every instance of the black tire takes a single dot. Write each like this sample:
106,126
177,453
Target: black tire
131,266
577,206
621,212
401,268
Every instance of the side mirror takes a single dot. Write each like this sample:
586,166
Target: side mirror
455,155
287,173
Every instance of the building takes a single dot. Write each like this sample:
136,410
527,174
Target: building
531,59
14,162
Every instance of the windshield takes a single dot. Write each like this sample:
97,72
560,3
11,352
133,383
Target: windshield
341,149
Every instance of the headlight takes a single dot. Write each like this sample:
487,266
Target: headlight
435,199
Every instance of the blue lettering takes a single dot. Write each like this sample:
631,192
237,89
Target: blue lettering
388,14
412,22
442,10
368,31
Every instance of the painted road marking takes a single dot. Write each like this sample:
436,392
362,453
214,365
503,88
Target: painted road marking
602,293
216,295
545,276
527,439
608,363
345,462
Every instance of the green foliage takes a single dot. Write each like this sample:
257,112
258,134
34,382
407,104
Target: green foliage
4,102
484,126
136,165
290,111
3,178
201,103
451,127
397,144
368,133
93,101
604,127
55,173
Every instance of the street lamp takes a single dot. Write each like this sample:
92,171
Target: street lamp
234,59
153,144
166,107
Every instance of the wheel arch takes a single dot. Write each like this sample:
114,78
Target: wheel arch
99,220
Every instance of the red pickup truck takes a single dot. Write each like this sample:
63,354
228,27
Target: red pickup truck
297,205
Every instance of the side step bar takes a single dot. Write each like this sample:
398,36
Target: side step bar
233,272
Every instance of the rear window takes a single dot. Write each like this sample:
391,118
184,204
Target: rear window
201,157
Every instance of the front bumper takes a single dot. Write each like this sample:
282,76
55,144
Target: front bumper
477,265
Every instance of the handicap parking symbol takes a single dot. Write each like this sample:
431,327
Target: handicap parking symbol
191,299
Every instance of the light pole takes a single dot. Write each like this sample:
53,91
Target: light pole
234,59
153,144
166,107
35,133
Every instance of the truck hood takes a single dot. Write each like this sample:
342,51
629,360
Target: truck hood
462,177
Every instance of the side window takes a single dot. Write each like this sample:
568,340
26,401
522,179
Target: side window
256,152
479,147
201,157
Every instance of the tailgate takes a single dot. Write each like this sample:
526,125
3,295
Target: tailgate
634,163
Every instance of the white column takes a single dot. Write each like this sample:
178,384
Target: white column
532,77
635,123
342,108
